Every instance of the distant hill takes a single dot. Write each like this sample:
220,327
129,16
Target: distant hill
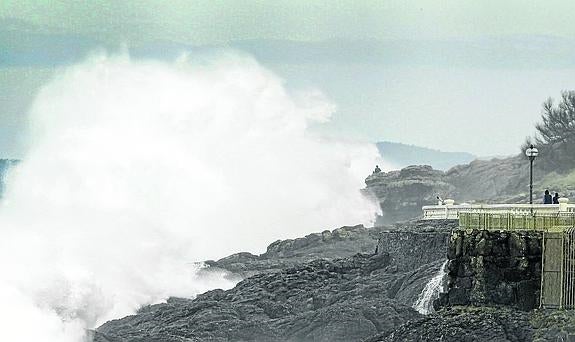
402,155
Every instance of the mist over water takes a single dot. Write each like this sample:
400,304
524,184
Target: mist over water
138,169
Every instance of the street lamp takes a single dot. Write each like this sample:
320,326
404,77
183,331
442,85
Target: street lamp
532,153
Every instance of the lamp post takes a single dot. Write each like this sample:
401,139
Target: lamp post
532,153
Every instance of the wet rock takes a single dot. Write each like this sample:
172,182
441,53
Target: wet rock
340,242
411,249
338,300
465,324
486,324
297,290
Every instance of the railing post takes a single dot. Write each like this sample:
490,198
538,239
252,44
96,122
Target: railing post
563,204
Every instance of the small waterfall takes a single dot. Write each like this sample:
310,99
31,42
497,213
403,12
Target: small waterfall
431,291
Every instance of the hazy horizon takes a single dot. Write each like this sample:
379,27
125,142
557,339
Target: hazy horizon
422,73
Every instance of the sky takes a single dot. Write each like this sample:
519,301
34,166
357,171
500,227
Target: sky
450,75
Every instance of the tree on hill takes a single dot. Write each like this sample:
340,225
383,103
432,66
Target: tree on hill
556,132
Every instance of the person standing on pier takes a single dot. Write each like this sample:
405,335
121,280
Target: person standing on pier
547,199
556,198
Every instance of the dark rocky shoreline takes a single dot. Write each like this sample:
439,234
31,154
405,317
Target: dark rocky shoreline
316,288
338,300
331,286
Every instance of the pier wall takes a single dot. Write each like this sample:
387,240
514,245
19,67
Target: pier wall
493,268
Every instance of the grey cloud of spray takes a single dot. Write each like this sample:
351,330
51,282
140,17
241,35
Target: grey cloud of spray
137,169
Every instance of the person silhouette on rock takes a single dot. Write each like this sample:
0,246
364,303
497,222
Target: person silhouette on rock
377,169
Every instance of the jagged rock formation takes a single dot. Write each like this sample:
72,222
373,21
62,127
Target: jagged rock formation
401,194
338,300
494,268
289,298
339,243
413,245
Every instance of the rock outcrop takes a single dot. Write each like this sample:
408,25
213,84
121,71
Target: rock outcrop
339,300
498,324
463,324
415,244
401,194
338,243
287,297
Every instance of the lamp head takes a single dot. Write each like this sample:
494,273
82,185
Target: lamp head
532,152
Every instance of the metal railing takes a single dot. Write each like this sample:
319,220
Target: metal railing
435,212
568,274
555,222
558,270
